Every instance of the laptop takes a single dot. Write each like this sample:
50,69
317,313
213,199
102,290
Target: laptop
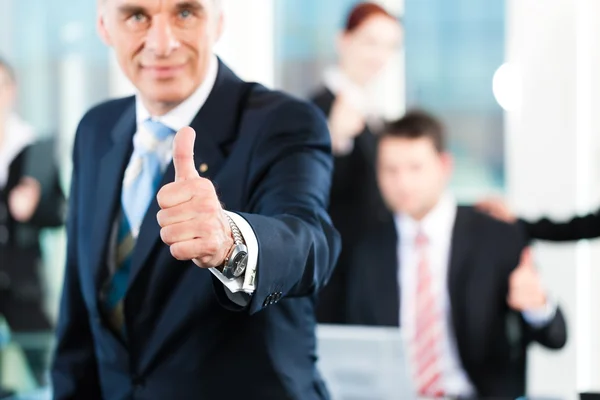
363,363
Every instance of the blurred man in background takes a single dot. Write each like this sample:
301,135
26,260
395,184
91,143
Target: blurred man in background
461,285
29,202
370,38
166,294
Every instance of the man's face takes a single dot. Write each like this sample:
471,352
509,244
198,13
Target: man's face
163,46
412,174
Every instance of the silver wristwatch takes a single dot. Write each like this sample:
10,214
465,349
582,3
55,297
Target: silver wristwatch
235,263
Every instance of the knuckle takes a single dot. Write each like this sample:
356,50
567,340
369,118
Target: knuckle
177,252
164,195
212,208
198,249
217,209
161,218
212,246
161,198
206,259
166,235
205,183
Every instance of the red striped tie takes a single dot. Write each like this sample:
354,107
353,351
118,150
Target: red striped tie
427,340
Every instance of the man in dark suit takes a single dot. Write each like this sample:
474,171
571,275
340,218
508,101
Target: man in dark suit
166,294
459,283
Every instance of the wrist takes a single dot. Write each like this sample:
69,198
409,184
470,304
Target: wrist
236,259
229,239
540,317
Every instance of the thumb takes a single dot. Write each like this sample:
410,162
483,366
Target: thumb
183,155
526,260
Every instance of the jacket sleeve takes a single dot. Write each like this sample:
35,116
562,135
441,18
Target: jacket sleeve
74,373
51,210
577,228
289,194
552,335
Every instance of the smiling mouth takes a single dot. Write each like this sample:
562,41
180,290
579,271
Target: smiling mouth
162,72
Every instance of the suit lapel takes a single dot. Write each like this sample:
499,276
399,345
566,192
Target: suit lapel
378,301
389,282
216,128
111,170
462,242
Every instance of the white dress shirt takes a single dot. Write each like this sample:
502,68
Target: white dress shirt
437,226
178,118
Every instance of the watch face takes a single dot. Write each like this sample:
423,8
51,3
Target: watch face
239,263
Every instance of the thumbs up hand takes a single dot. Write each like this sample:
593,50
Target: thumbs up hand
525,290
191,217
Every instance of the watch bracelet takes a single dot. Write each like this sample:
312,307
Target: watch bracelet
235,231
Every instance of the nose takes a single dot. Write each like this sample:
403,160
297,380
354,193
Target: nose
161,39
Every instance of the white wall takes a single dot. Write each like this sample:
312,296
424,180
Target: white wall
551,170
247,45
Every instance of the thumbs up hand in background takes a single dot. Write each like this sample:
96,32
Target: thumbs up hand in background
191,217
525,290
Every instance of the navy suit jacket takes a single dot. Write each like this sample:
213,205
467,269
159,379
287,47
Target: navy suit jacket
269,158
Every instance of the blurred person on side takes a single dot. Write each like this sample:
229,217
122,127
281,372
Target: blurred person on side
367,43
198,234
578,227
461,285
28,203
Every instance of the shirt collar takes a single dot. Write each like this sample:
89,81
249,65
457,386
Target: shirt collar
436,225
183,115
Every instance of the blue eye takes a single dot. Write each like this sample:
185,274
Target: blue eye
184,14
139,17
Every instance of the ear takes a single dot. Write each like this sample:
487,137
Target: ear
101,25
447,163
220,26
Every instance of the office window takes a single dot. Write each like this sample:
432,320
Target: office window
453,49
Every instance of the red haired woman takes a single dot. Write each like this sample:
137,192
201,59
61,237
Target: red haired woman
368,41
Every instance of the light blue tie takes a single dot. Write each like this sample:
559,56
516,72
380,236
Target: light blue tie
143,175
142,178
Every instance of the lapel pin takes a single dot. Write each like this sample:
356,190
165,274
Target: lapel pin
203,168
